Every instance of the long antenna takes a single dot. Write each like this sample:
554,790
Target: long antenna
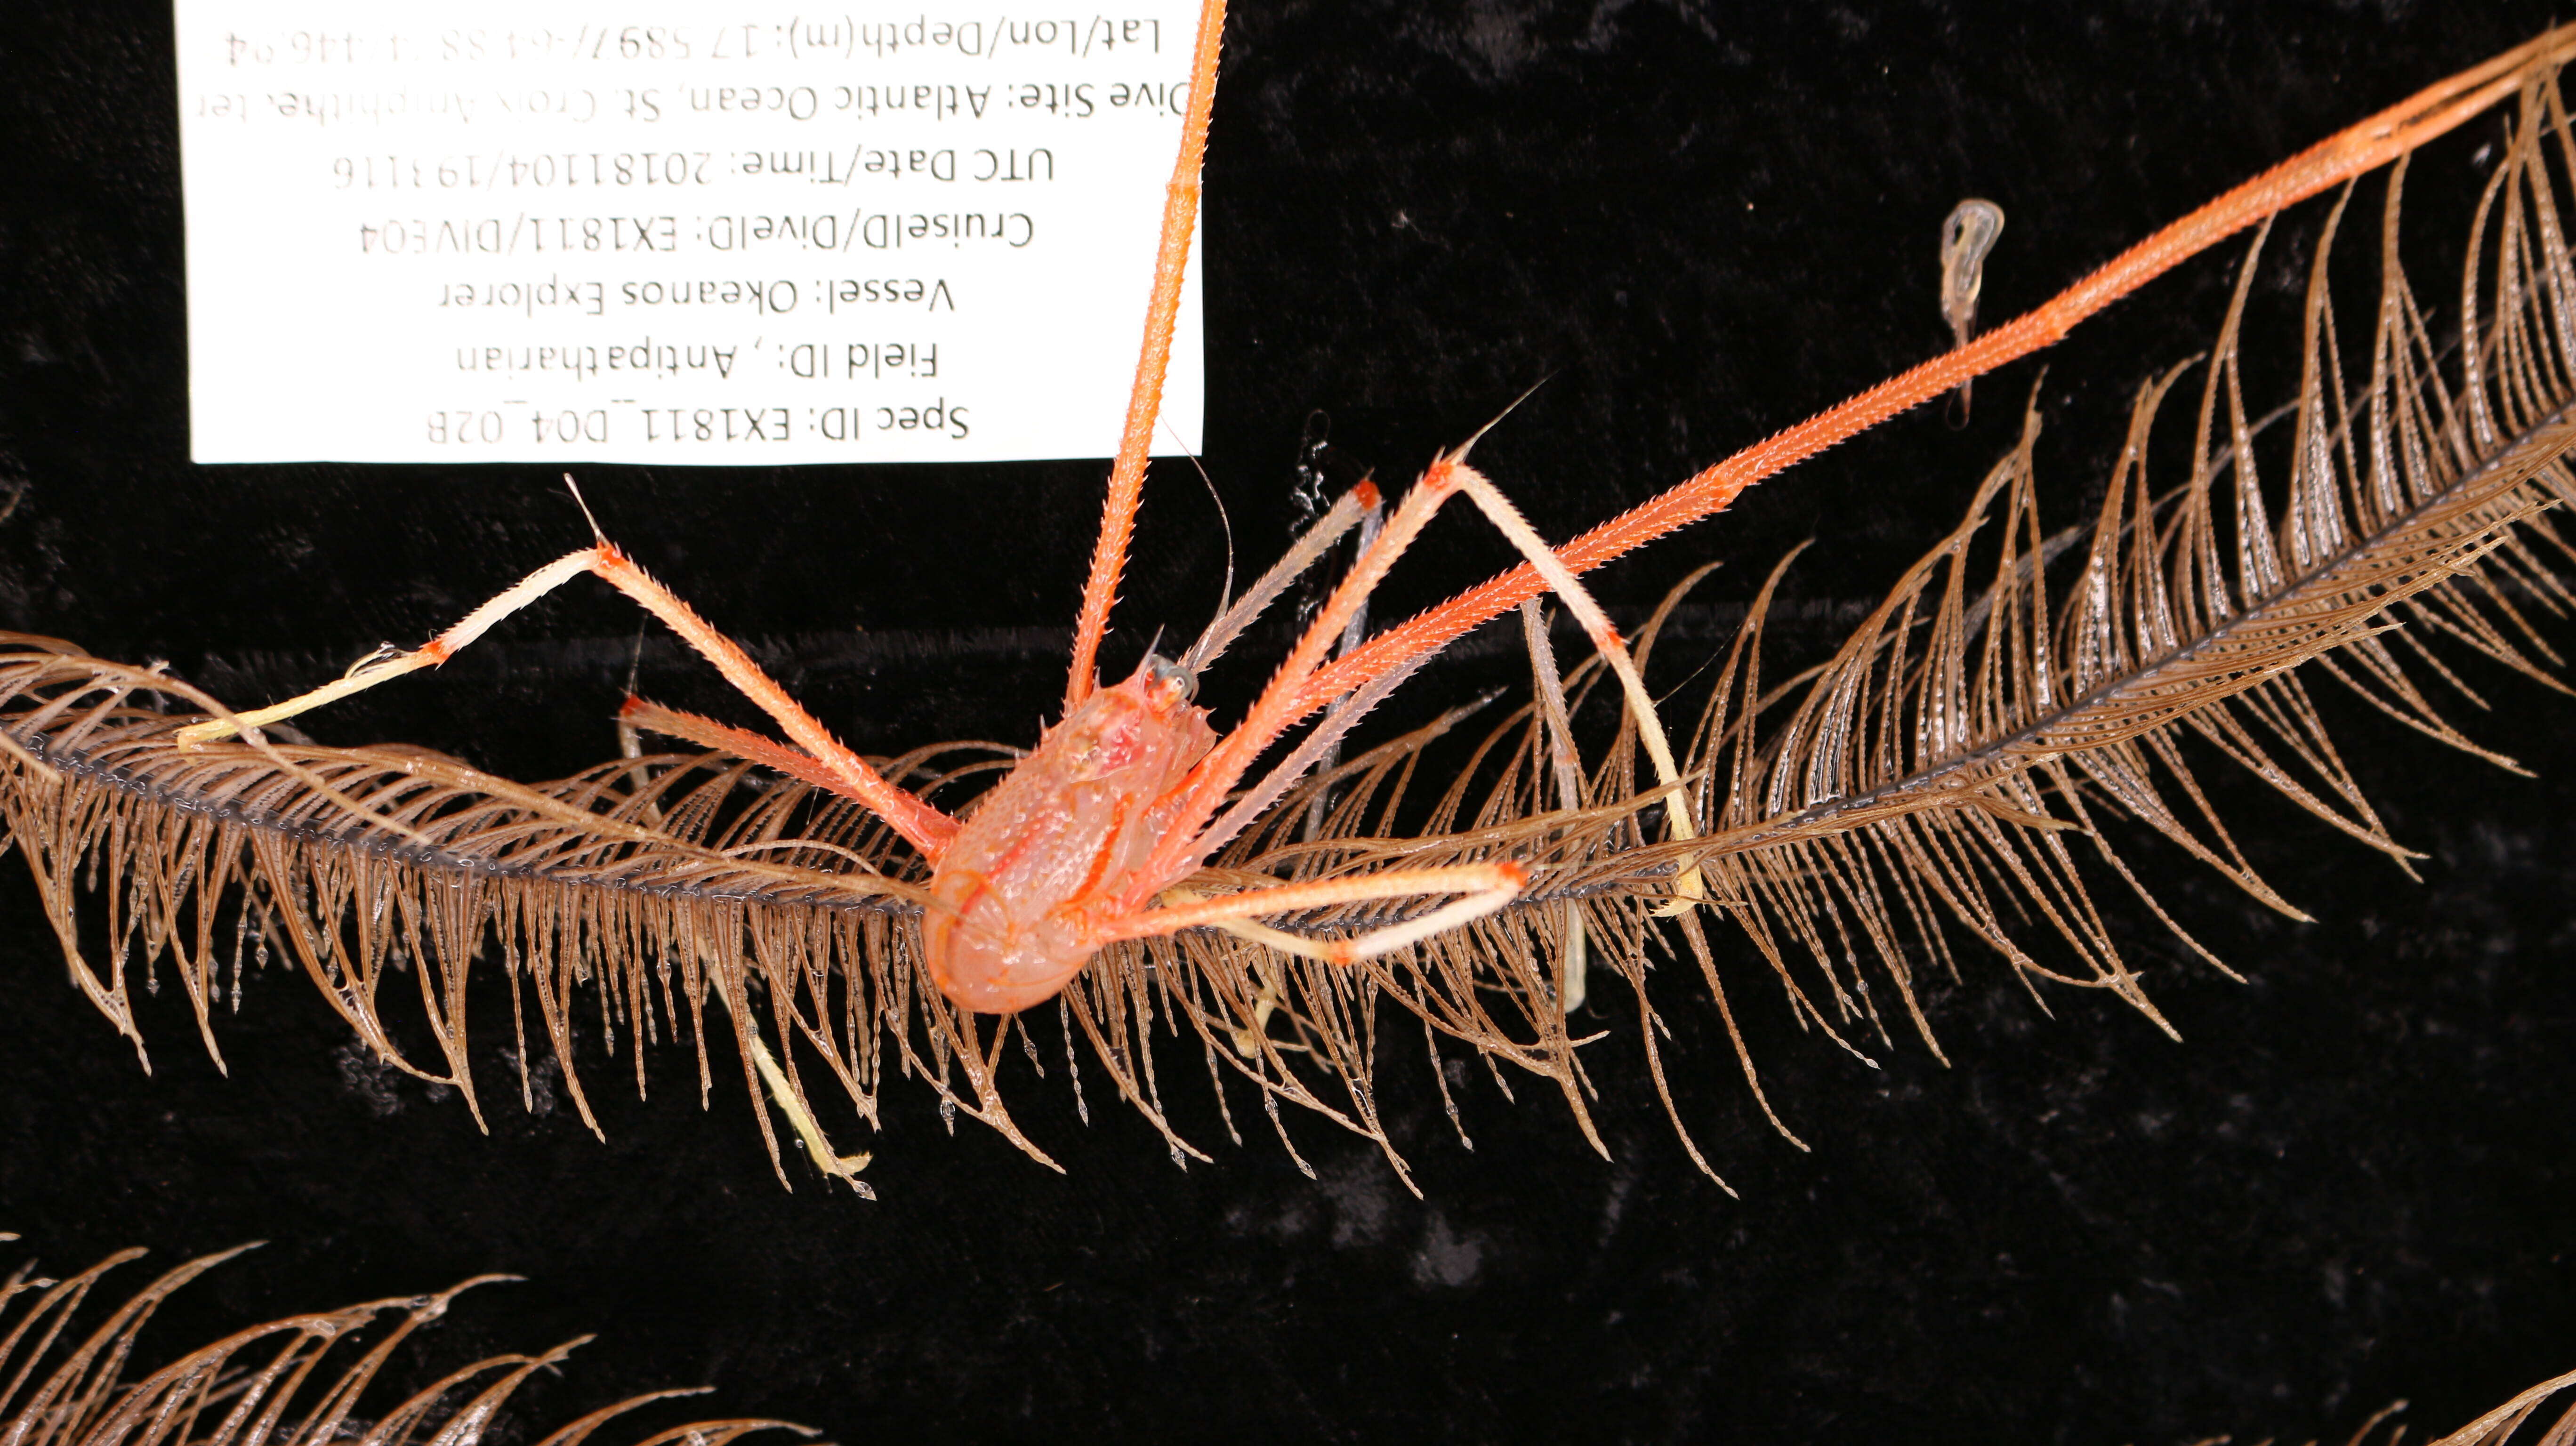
578,501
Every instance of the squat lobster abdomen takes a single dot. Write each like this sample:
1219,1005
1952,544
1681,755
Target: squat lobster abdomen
1017,898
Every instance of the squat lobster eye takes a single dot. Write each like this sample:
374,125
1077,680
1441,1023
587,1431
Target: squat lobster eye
1178,682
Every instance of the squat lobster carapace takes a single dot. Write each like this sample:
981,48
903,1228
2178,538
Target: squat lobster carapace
1014,898
1038,879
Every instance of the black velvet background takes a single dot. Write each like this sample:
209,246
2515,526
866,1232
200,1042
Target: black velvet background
1699,222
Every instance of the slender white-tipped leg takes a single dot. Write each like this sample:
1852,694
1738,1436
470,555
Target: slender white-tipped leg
1560,579
925,827
1572,985
386,663
1248,1037
809,1130
1486,887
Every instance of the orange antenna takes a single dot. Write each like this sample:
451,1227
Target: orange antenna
1145,398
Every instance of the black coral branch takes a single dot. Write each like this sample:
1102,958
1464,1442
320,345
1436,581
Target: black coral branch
1950,762
302,1380
1948,771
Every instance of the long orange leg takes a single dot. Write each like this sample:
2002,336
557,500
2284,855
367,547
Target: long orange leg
2358,148
1145,398
647,717
923,826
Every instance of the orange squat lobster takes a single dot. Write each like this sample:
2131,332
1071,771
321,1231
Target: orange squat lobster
1089,838
1117,804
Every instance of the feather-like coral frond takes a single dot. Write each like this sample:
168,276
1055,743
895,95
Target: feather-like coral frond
2501,1425
301,1380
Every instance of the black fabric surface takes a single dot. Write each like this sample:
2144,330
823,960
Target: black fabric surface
2350,1182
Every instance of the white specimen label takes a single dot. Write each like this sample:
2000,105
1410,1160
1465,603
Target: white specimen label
675,233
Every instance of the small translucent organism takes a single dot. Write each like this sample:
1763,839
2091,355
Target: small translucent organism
1967,235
